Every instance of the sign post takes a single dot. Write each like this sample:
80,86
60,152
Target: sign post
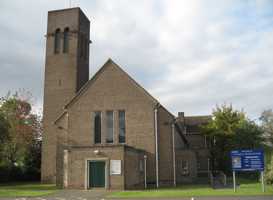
248,160
262,177
234,181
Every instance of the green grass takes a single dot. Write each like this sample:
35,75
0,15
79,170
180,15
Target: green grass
248,189
26,189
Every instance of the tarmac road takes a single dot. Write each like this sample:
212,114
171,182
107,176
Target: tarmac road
100,195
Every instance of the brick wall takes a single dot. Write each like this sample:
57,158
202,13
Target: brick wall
113,90
60,83
134,176
165,120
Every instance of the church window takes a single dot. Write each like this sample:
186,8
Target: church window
66,40
57,41
97,127
121,126
110,127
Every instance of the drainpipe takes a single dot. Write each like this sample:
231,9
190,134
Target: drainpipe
174,166
65,160
156,146
145,171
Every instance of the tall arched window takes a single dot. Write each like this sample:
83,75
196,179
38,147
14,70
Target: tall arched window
97,127
66,40
57,41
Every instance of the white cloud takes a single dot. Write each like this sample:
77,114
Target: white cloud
189,54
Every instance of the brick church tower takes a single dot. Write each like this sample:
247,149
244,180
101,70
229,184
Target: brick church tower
66,71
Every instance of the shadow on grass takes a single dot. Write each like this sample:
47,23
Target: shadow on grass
27,186
251,189
22,189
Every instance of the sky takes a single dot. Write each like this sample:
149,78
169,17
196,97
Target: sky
190,55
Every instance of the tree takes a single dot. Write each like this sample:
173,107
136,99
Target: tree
23,132
248,135
267,126
219,131
224,121
4,126
33,160
230,129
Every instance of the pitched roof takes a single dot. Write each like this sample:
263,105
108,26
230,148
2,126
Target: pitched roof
197,120
193,123
181,134
97,74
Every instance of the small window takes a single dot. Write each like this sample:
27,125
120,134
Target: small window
97,127
184,167
66,40
121,116
110,127
57,41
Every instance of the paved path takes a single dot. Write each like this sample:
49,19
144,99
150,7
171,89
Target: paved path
100,195
214,198
68,195
208,198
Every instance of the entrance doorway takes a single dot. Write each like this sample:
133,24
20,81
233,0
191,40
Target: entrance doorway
96,174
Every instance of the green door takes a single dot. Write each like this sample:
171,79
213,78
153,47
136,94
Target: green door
97,174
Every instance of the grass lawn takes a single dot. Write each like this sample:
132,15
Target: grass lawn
247,189
26,189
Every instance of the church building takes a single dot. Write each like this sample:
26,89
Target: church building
108,131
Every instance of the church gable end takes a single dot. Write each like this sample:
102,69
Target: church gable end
111,90
120,85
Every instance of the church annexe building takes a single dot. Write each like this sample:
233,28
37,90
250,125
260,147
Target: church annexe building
108,131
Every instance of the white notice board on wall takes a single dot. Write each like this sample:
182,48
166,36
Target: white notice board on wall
115,167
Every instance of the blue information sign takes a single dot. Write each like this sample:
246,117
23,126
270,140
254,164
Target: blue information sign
247,160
